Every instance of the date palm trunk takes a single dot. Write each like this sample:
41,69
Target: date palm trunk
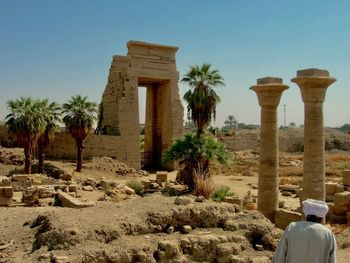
80,148
41,157
27,159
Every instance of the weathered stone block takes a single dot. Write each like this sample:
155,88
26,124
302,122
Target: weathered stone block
69,201
4,181
312,72
348,216
21,186
234,200
162,176
339,188
330,210
284,217
337,219
20,177
331,188
330,198
8,191
268,80
346,178
6,195
73,188
290,188
341,203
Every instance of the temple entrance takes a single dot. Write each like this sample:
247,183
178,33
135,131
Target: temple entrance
151,66
155,121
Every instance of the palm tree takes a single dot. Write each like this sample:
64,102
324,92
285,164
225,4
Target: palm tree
231,122
52,115
194,154
26,121
79,116
201,97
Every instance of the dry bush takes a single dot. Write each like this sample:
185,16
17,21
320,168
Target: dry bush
291,171
203,183
337,157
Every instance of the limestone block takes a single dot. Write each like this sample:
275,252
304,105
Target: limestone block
182,200
284,217
346,178
6,195
7,191
337,219
339,188
234,200
341,203
73,188
330,198
331,188
330,210
348,216
186,229
162,176
88,188
69,201
20,177
290,188
4,181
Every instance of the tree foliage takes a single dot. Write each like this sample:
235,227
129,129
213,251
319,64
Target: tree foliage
231,122
52,116
201,98
79,116
194,154
26,121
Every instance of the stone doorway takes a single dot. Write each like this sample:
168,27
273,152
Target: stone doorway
152,66
156,122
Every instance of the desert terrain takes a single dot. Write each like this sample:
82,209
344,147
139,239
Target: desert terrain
164,224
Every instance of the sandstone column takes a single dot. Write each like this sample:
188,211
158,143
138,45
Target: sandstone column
313,84
269,91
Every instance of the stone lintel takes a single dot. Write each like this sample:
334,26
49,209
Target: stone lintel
269,80
150,45
152,50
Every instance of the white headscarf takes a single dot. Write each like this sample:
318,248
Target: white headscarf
315,207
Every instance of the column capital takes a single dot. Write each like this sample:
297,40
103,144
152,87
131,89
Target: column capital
313,84
269,91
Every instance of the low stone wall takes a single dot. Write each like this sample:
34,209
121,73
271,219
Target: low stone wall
241,141
63,146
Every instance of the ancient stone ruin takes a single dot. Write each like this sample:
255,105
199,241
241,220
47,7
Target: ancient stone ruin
151,66
269,91
313,84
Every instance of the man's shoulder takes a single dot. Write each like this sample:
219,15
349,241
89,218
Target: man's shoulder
310,225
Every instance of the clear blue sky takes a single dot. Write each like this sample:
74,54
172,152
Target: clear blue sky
56,49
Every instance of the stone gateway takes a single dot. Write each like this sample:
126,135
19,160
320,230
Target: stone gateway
151,66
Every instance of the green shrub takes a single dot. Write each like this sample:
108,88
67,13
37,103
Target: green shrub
220,194
195,153
136,185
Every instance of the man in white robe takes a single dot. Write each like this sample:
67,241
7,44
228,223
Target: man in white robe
307,241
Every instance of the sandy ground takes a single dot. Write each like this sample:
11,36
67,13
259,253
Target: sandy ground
239,176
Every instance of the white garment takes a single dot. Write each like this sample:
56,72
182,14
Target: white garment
306,242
